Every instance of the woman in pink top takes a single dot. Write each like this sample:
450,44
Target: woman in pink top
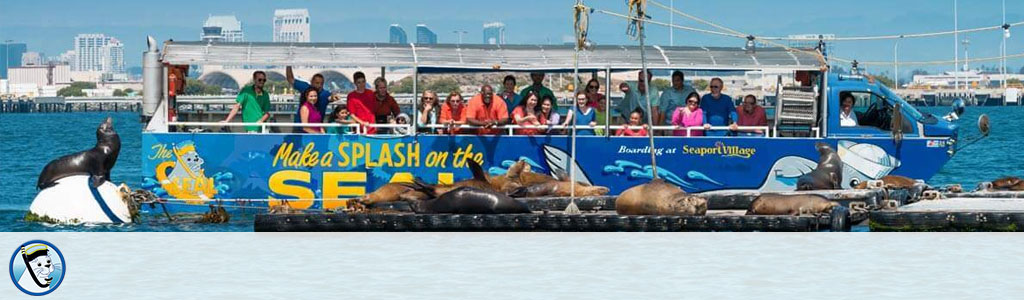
689,115
308,112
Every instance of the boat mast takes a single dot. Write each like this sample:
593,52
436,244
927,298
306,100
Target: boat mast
639,7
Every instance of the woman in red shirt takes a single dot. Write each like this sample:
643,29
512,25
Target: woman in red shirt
526,114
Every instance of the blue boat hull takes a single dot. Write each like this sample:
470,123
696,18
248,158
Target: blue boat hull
249,170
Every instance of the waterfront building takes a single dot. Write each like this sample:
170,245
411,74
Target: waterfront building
10,56
224,28
291,25
494,33
31,58
98,52
424,35
397,35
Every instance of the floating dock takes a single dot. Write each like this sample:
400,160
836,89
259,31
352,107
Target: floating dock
975,211
726,213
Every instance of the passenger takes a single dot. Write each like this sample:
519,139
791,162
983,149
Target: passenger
549,116
636,126
453,113
719,110
317,83
600,117
751,114
525,114
508,93
847,117
360,102
538,88
688,116
253,102
308,113
385,109
487,110
428,111
673,98
402,119
594,97
581,115
341,115
635,96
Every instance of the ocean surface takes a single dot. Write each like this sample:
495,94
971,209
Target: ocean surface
29,141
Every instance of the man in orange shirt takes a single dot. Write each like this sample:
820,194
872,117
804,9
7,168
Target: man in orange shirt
487,110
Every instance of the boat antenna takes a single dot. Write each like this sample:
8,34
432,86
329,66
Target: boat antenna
637,9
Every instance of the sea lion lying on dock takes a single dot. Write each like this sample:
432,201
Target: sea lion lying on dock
795,205
828,175
659,197
1008,183
540,185
892,181
469,200
480,180
391,192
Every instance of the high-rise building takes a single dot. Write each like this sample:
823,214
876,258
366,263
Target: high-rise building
113,57
10,56
494,33
424,35
397,35
291,25
98,52
222,29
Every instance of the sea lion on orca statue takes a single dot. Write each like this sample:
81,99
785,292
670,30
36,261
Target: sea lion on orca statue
95,162
828,175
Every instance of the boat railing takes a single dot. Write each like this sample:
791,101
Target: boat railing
511,129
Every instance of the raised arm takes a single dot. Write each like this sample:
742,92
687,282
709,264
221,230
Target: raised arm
289,75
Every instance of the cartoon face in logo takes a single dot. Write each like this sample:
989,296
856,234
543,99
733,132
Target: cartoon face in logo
186,179
37,267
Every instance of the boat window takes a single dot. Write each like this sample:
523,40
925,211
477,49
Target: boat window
874,110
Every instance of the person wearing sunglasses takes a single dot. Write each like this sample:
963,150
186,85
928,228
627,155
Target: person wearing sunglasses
673,98
428,111
254,103
689,115
596,100
719,110
751,114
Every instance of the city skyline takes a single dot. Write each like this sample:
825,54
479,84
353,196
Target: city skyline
540,22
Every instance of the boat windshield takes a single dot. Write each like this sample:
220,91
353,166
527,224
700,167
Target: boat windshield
907,108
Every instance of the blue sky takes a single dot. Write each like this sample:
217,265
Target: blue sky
49,26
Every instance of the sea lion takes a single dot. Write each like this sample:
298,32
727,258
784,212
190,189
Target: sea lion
480,180
659,197
391,192
95,162
775,204
216,215
1006,183
892,181
470,200
828,175
540,185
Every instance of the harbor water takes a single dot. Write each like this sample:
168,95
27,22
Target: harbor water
29,141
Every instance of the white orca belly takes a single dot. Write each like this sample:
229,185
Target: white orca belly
72,201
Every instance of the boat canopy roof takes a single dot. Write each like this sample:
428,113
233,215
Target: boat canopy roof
448,58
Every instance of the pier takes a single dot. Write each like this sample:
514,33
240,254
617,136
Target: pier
71,104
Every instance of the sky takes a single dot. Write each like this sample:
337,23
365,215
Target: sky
50,26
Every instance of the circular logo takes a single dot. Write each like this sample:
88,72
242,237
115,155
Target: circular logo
37,267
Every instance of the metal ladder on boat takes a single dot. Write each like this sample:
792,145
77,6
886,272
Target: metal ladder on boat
797,111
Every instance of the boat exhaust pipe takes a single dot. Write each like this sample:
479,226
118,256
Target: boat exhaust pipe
152,79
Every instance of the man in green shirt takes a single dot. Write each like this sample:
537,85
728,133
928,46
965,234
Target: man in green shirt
254,103
635,97
538,88
673,98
